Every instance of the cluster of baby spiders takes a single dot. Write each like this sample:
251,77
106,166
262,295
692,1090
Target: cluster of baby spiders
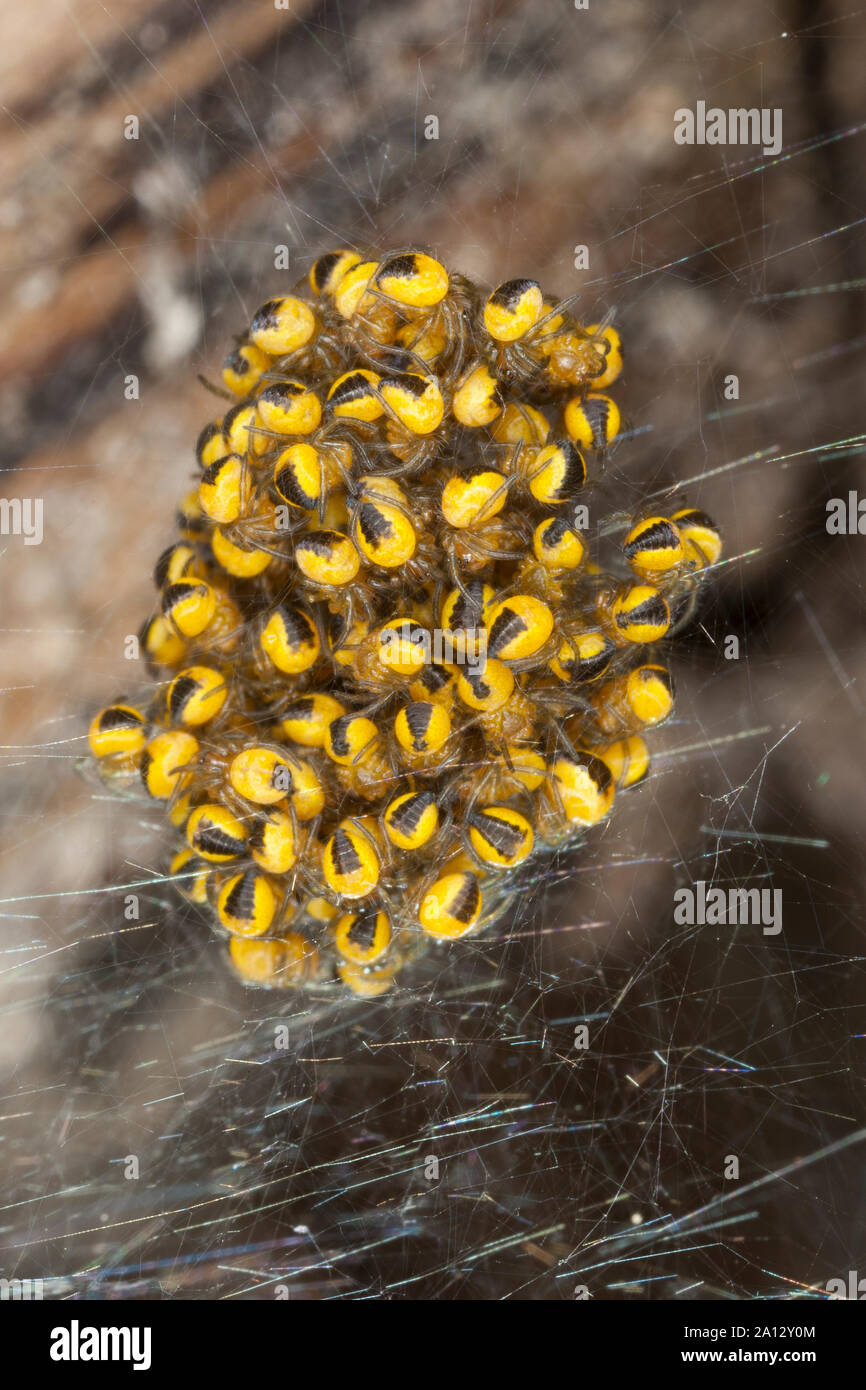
388,673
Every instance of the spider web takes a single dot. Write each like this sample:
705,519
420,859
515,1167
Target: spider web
454,1141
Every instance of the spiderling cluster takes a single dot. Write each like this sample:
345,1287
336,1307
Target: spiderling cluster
387,670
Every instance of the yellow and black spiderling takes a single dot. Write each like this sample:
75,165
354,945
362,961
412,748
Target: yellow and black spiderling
240,430
351,865
289,407
306,719
327,272
304,475
468,499
167,761
642,698
465,610
211,444
363,937
452,905
518,628
266,775
393,653
224,490
654,548
350,738
700,534
327,559
512,309
627,758
411,819
189,605
413,279
555,473
393,662
582,657
247,904
240,560
435,681
558,546
283,325
289,639
179,561
383,531
118,730
578,792
244,368
355,396
487,689
274,842
192,876
215,834
477,399
422,728
500,836
593,421
196,695
162,644
415,402
606,341
639,613
281,962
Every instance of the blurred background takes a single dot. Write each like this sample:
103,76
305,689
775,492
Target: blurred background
303,1170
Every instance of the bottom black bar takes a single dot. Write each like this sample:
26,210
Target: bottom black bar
262,1335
